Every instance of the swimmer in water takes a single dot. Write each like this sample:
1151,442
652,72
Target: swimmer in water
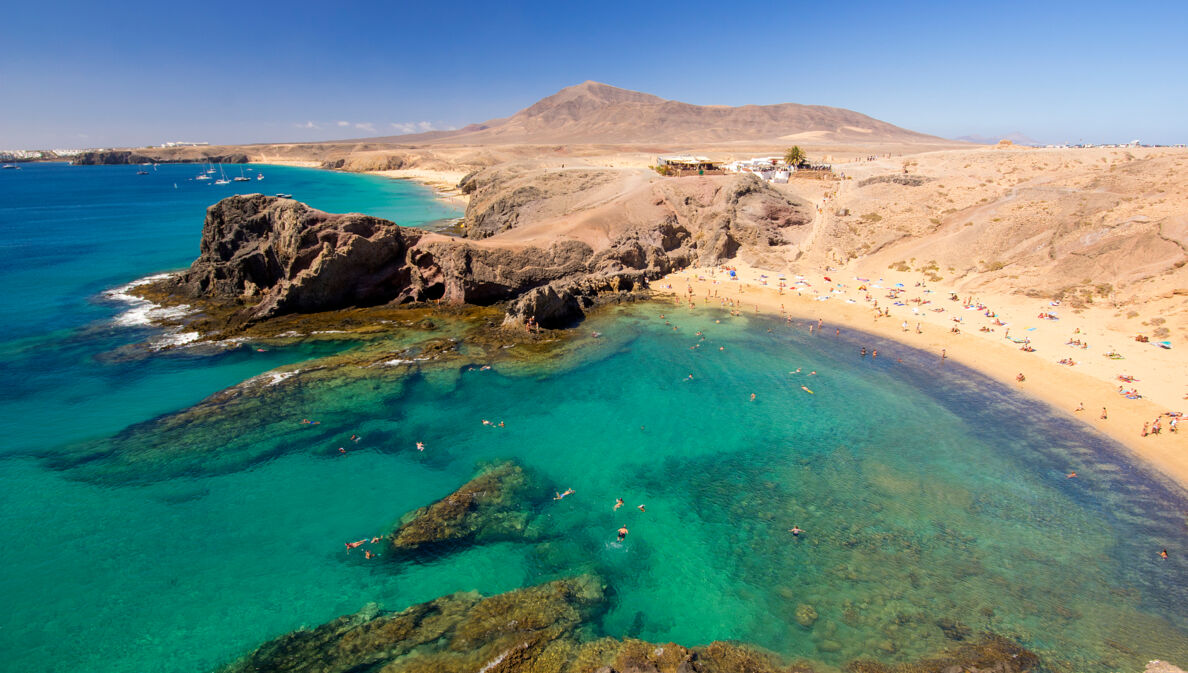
341,450
420,446
1071,475
622,533
641,508
752,397
560,496
367,554
618,504
352,545
375,539
796,530
1162,554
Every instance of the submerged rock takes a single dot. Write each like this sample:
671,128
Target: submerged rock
806,615
491,506
546,629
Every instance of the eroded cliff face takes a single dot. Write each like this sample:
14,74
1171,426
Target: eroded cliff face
550,245
273,256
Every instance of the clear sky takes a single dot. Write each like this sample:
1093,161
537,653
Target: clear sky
96,74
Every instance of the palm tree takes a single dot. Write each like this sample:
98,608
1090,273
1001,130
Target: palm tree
794,156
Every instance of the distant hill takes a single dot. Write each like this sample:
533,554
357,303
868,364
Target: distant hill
1016,138
598,113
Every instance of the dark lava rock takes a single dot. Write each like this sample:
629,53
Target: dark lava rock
492,506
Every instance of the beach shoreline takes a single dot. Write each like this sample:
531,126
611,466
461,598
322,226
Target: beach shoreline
443,183
1091,382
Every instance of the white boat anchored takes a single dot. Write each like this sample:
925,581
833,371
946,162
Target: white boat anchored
223,179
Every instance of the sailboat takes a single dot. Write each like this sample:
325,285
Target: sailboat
205,175
222,180
242,177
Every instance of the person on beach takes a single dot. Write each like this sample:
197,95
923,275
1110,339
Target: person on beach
622,533
795,530
1144,429
618,504
1103,413
561,496
943,354
1080,406
1020,378
905,326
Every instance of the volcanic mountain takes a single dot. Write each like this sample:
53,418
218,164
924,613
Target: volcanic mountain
598,113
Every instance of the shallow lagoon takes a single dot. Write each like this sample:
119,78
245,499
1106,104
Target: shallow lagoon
927,493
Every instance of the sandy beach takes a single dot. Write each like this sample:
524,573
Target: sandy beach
445,183
1160,376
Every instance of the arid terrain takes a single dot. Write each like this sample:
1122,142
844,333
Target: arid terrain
1096,236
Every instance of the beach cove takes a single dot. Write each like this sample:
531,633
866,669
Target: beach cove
1092,382
934,504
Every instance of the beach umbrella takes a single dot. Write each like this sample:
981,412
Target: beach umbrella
899,285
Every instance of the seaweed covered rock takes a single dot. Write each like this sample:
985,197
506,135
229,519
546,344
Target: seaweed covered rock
518,630
989,654
491,506
546,629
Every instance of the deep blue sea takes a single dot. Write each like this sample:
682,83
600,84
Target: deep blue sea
926,492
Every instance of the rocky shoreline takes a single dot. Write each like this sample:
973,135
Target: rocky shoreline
547,628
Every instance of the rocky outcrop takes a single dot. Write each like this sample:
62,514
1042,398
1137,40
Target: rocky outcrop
545,629
275,256
492,506
269,256
120,157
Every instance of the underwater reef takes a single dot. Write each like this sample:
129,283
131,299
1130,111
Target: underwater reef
548,629
486,508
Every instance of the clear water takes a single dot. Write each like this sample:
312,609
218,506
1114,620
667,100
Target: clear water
926,492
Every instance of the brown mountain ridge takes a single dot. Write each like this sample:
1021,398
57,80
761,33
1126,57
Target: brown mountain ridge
592,112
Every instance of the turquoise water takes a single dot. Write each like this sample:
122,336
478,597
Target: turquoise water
926,491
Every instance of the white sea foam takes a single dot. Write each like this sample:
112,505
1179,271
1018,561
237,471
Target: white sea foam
397,362
277,377
174,339
143,313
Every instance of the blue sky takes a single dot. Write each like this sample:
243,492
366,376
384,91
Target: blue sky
81,74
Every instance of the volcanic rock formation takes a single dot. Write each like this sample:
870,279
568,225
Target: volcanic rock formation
553,256
539,629
489,507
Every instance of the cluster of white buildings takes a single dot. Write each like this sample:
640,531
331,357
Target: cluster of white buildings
29,155
183,144
770,169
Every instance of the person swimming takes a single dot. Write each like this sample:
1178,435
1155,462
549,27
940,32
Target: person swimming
420,446
561,496
796,530
752,397
641,508
622,533
618,504
1162,554
352,545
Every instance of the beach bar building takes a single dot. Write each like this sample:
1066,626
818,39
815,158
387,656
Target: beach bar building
684,163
